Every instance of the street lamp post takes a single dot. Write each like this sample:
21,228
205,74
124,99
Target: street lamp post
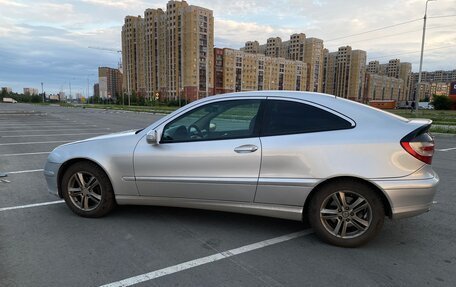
418,92
42,91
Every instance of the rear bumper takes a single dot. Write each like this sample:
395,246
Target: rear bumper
409,197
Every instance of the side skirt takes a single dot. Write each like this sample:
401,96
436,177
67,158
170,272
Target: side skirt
269,210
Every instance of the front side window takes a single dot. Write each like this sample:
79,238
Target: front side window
289,117
215,121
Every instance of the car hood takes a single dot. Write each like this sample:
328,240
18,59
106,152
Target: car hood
96,147
103,137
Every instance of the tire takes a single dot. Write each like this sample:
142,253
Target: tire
346,214
95,198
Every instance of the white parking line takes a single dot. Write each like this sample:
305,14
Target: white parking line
10,123
44,125
31,205
22,143
446,149
205,260
31,128
24,171
49,135
51,130
27,153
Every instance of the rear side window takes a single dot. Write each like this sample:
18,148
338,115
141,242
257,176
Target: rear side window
288,117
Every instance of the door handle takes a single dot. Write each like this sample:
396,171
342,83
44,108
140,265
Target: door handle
246,148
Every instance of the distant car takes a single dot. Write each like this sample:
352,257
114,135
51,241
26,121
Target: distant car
425,106
339,164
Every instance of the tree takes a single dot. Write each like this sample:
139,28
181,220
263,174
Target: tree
4,94
442,103
133,97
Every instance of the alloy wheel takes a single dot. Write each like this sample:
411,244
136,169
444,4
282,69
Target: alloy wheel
84,191
346,214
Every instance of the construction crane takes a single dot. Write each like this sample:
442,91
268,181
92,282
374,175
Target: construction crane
110,50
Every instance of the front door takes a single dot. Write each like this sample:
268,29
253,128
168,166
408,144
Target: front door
212,152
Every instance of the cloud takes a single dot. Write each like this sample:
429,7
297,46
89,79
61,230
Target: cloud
12,4
50,42
118,4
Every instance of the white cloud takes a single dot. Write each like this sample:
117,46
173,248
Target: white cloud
55,34
12,3
122,4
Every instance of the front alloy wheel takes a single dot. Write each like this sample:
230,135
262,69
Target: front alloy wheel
84,191
87,190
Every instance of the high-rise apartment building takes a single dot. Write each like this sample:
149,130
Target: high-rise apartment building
431,83
435,77
313,55
244,71
30,91
6,90
394,68
382,88
133,54
96,90
251,47
169,53
298,48
274,47
110,82
344,73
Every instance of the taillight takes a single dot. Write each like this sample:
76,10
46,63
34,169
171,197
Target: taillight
420,145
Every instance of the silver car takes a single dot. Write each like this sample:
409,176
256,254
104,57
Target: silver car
341,165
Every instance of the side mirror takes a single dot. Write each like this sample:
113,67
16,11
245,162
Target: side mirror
212,127
152,137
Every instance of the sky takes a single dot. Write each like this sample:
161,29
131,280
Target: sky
47,41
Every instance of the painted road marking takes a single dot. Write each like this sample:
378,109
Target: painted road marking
205,260
25,171
31,205
49,135
446,149
52,130
41,125
27,153
3,144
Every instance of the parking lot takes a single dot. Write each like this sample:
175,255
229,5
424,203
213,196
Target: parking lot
42,243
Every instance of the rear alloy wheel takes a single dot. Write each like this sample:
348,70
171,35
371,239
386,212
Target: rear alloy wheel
346,214
87,190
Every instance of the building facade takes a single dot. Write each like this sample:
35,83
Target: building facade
395,69
439,89
244,71
109,83
435,77
7,90
30,91
297,48
382,88
96,90
432,82
169,53
344,73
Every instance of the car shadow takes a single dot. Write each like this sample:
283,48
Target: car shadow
205,217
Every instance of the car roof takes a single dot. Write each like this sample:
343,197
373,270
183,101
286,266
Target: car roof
365,117
355,110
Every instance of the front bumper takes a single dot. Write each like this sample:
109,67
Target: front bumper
51,171
409,197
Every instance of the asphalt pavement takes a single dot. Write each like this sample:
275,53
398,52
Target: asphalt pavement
42,243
